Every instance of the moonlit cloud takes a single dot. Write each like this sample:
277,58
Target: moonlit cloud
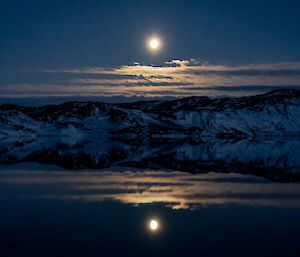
176,78
176,190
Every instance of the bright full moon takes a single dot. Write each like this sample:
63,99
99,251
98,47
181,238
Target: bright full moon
153,225
154,43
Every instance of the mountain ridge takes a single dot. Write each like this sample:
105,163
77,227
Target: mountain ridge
254,135
276,113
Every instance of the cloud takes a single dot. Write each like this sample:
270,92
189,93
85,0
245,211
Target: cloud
172,79
175,190
246,88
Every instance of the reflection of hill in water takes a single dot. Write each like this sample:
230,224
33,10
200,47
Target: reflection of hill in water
275,159
255,135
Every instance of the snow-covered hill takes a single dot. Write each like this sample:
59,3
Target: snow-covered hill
273,114
258,134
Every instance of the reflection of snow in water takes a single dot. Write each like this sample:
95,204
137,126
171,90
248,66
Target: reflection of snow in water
273,154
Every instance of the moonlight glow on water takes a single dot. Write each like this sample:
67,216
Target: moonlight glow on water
154,225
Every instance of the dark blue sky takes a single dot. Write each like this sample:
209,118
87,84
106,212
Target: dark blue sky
55,33
58,35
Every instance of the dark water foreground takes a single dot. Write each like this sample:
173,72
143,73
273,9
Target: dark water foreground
50,211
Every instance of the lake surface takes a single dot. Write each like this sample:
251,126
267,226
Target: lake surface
48,211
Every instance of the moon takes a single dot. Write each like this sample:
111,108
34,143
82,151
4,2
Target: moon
154,43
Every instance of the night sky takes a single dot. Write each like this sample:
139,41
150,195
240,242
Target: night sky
52,51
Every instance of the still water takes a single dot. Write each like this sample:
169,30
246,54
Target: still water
48,211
